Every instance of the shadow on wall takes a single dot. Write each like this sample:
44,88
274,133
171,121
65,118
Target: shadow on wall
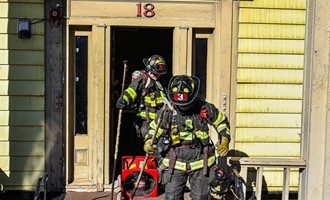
22,103
251,178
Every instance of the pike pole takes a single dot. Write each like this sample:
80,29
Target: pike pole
118,131
166,103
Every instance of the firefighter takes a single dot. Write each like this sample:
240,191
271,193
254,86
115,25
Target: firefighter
145,93
189,151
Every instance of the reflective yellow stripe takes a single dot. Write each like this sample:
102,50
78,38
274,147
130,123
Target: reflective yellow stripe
158,100
198,164
144,114
153,127
162,94
175,139
189,124
221,127
219,119
186,136
227,131
126,99
202,135
131,92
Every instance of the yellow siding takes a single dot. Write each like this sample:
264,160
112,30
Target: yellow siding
271,39
245,75
272,91
278,31
272,16
33,118
268,106
268,120
21,180
11,28
21,87
22,72
269,149
271,46
22,133
273,135
3,25
285,61
21,103
22,163
22,147
292,4
14,42
34,10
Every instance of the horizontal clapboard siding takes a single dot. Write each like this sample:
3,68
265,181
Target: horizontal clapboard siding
275,16
9,26
278,4
22,180
21,163
272,135
22,102
22,57
22,72
251,75
22,133
18,44
22,149
270,72
276,61
32,9
275,31
32,88
23,118
268,106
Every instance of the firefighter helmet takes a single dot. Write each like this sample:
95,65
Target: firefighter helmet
155,64
221,182
183,89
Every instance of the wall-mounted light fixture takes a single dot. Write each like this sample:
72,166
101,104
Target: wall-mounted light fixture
24,28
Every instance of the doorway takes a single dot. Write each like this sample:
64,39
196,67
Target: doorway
132,45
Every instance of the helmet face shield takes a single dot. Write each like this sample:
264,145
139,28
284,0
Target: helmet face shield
155,64
183,89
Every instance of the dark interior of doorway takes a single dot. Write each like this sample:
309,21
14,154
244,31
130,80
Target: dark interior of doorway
134,44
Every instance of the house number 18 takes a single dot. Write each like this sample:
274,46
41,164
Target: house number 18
148,10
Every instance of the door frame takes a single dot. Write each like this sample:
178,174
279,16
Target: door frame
220,62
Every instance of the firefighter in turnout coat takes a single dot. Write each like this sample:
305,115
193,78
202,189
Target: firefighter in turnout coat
145,93
187,150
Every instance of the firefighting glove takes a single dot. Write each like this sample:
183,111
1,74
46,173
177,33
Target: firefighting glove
121,103
149,147
223,147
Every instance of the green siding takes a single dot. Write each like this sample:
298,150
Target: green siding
22,152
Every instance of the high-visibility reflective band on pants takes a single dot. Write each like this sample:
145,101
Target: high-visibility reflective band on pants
198,164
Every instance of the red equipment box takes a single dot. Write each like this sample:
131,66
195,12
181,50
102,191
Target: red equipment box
148,184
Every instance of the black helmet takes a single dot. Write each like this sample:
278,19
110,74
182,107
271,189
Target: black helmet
155,64
183,89
221,182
